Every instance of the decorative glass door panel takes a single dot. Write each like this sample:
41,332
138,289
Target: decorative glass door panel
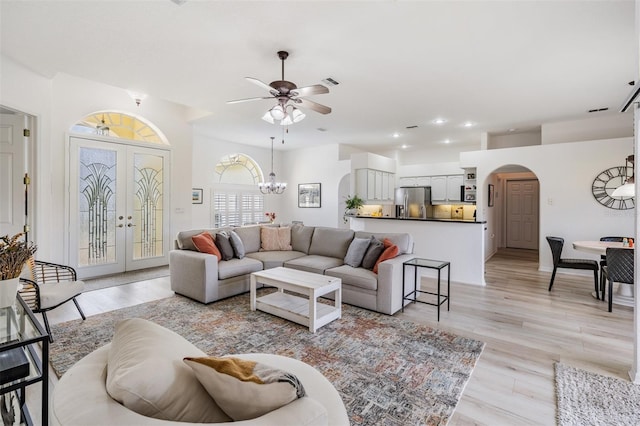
148,212
97,207
118,200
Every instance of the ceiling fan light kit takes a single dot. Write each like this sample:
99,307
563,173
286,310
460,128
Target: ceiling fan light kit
283,92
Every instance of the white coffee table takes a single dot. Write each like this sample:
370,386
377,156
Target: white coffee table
306,311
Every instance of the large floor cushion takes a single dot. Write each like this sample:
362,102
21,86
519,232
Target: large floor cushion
357,277
81,397
313,263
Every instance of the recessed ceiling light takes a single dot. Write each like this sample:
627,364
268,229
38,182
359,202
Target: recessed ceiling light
396,135
446,141
405,146
439,121
469,124
513,129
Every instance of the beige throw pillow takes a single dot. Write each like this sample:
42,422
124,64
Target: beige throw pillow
146,374
245,389
275,238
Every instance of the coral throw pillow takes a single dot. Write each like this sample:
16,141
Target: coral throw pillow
391,250
205,244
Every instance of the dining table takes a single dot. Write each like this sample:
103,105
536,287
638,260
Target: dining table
623,295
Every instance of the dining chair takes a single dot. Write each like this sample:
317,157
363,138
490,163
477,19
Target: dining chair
603,262
619,269
556,244
48,285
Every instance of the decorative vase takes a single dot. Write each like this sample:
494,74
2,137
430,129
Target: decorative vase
8,291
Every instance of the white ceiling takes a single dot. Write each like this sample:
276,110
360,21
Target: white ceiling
499,64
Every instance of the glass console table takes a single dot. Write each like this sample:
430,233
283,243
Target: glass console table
20,362
429,264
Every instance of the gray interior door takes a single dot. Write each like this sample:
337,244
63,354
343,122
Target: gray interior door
522,213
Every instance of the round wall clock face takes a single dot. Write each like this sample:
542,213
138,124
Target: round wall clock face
605,183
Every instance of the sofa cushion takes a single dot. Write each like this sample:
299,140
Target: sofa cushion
275,238
145,373
331,242
301,237
313,263
403,240
235,267
236,244
245,389
204,244
250,236
356,251
375,249
224,245
390,251
273,259
357,277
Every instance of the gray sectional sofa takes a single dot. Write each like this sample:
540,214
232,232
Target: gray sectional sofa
322,250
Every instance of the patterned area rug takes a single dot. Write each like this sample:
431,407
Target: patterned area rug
586,398
388,371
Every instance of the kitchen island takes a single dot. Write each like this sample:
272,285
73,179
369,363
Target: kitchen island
460,242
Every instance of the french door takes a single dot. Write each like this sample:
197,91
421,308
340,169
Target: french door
118,206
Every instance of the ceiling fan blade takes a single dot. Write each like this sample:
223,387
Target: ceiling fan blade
237,101
305,103
316,89
262,84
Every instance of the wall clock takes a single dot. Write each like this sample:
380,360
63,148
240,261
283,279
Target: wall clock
605,183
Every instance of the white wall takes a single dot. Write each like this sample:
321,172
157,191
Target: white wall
322,165
208,151
57,104
609,126
513,140
566,172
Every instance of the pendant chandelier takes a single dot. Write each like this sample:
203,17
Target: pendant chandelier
272,187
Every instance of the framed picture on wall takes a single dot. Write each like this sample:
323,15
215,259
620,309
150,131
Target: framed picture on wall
196,195
491,195
309,195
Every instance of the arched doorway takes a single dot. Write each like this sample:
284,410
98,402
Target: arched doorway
119,192
513,213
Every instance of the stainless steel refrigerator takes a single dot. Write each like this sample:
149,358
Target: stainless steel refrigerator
413,202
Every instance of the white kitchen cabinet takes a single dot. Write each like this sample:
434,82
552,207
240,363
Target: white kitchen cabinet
385,186
446,189
438,189
423,181
454,184
407,181
374,185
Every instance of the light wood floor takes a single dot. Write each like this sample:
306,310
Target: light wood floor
526,329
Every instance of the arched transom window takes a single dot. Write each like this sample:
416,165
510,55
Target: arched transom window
238,169
119,125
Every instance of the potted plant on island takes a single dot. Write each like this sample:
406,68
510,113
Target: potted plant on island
352,204
14,253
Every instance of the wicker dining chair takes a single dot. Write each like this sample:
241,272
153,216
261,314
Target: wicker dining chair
556,244
603,263
619,269
49,285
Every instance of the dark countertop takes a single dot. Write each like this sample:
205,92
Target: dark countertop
413,219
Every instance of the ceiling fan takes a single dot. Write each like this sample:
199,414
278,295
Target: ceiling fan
289,96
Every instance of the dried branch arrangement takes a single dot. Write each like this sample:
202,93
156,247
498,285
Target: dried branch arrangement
14,253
